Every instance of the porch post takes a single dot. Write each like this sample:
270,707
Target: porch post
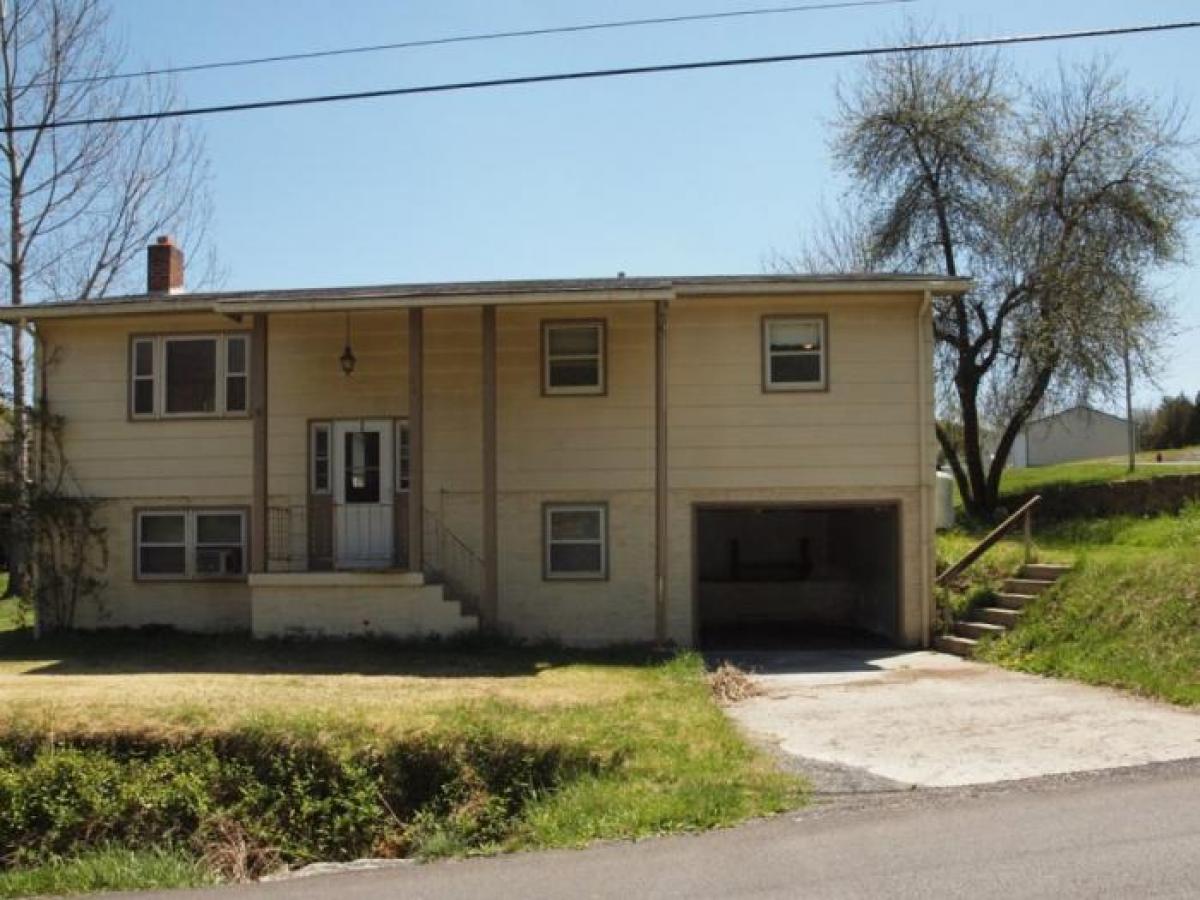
259,536
660,471
489,592
416,440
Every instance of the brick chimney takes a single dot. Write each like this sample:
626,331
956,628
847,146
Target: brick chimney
164,267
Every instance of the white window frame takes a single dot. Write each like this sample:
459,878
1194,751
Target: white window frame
822,354
134,377
227,374
159,343
549,541
327,428
190,544
600,356
402,449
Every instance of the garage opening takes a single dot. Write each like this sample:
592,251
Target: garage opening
777,576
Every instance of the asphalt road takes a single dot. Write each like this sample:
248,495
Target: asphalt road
1135,835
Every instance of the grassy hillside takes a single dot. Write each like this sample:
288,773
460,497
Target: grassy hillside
1128,616
1020,481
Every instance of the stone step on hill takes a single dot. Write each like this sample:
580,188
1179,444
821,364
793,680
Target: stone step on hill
1004,613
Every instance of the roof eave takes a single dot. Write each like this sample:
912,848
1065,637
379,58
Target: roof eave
350,300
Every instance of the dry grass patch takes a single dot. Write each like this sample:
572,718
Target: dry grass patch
141,683
730,684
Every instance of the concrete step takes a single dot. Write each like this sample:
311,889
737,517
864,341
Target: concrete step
1026,585
1045,571
1013,601
998,615
952,643
978,630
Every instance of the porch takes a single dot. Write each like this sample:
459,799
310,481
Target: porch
356,472
393,604
317,583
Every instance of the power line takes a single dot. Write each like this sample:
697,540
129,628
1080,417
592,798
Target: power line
591,74
488,36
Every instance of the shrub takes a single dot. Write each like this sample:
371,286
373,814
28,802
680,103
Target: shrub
245,800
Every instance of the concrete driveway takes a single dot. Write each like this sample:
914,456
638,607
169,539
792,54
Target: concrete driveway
931,720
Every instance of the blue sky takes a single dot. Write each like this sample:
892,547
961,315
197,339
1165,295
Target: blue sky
699,172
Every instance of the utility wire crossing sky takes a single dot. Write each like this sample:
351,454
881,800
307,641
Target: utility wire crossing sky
591,74
488,36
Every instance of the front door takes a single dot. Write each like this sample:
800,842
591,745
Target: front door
363,494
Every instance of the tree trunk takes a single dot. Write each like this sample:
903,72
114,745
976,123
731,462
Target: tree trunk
19,518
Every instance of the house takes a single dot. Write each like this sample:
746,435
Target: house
1071,434
590,461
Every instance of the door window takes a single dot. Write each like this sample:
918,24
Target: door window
361,466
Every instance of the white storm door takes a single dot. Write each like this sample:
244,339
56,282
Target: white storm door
363,494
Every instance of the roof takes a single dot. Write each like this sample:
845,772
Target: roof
1077,407
474,293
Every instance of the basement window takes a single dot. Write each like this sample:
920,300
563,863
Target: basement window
576,541
573,357
794,353
189,376
191,544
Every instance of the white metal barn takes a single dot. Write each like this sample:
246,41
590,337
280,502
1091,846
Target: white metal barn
1077,433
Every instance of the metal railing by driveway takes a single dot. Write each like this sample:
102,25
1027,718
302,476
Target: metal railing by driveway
1024,514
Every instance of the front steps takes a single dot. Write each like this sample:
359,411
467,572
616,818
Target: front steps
1005,611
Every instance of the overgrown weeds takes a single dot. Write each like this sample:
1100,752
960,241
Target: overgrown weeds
247,800
611,748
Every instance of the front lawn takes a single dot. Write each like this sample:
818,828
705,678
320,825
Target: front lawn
440,750
1127,616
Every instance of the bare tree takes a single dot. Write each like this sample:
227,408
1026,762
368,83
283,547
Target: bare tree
1058,197
82,201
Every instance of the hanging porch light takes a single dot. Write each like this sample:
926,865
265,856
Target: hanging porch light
348,360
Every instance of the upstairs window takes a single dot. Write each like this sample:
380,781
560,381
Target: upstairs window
191,544
189,375
794,353
573,357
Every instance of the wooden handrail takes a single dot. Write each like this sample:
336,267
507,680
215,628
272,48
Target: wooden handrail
1025,512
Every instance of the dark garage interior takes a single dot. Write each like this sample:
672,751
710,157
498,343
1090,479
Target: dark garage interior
779,576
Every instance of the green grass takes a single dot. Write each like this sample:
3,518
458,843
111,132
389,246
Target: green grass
671,760
11,616
1022,481
111,869
1128,616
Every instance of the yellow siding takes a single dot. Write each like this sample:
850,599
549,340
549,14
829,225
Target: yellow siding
573,443
726,431
87,382
729,441
189,606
